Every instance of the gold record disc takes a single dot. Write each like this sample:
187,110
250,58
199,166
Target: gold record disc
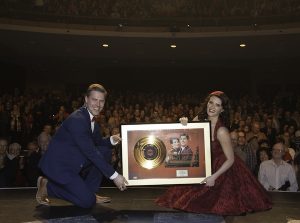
149,152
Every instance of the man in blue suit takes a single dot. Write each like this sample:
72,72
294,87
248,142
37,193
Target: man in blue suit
78,157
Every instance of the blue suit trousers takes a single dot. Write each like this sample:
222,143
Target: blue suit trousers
82,188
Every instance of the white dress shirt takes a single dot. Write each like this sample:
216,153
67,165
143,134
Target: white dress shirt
112,177
271,174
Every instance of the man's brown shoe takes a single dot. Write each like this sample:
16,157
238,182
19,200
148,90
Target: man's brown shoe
101,200
41,194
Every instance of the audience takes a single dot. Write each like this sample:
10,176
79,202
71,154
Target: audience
156,9
34,116
30,120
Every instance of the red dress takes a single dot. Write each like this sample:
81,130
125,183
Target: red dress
235,192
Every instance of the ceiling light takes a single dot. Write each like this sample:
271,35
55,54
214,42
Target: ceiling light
242,45
105,45
173,46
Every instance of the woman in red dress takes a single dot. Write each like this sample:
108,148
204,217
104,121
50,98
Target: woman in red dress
232,189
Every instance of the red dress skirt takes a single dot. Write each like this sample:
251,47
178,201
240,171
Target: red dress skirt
235,192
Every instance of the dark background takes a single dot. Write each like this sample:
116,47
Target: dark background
270,61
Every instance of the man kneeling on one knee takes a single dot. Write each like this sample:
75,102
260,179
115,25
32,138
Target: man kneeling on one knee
78,157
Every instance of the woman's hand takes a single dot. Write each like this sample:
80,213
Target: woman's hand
209,181
184,120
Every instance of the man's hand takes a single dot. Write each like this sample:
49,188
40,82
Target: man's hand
116,138
120,182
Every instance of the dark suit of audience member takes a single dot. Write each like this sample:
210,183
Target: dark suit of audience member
12,164
32,170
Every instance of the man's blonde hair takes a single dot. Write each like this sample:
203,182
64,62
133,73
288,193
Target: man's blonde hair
96,87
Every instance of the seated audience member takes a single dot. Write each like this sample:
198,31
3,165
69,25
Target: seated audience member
13,165
276,174
48,129
287,136
32,170
296,142
262,154
238,144
247,150
297,168
43,141
116,160
3,149
255,132
289,153
269,130
264,144
60,116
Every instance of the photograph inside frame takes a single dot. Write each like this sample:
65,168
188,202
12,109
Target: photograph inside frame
155,154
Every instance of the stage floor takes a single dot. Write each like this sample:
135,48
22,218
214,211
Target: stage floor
136,204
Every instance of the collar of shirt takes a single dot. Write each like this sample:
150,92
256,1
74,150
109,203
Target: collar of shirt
91,116
92,122
281,162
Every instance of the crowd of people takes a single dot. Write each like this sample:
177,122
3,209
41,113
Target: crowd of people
158,9
29,120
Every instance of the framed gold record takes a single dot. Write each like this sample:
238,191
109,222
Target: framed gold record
149,152
171,153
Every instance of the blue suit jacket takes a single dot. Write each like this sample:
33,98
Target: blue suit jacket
73,145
